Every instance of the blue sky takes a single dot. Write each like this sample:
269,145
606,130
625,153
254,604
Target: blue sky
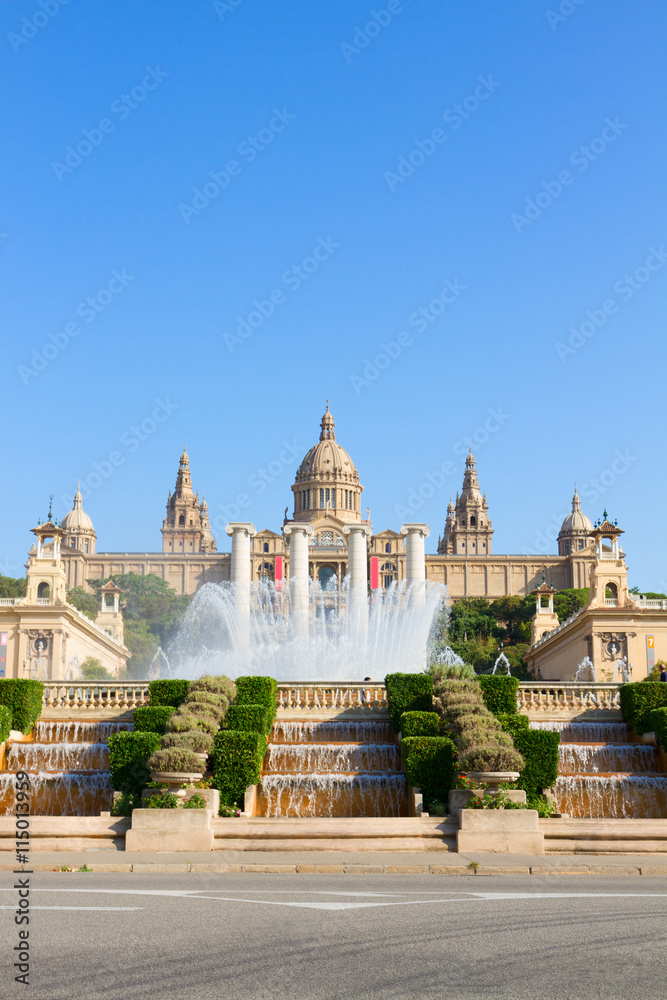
469,194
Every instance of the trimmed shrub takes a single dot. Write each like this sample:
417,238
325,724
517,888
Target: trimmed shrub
638,701
206,697
258,691
5,722
207,725
491,758
419,724
465,712
237,763
24,699
452,687
539,748
176,759
152,718
193,739
168,692
128,760
408,693
429,764
181,722
474,737
514,723
457,672
499,693
206,709
249,719
215,685
657,720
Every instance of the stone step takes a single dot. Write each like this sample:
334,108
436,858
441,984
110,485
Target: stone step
67,833
335,834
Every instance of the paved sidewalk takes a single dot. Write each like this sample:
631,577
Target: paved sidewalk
395,862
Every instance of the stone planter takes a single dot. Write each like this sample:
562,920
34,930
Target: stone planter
170,830
175,779
500,831
460,797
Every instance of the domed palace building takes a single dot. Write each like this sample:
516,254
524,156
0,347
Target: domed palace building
327,494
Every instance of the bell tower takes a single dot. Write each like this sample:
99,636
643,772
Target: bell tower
186,529
468,529
47,580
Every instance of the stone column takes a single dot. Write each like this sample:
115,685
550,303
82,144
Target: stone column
241,532
357,567
298,573
415,558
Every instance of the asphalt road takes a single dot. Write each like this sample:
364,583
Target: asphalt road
381,937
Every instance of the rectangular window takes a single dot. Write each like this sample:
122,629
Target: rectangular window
321,498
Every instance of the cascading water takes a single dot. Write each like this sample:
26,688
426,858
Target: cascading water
603,776
324,777
67,763
394,637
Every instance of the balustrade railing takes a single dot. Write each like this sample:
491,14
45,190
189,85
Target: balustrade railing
322,697
566,699
539,699
67,698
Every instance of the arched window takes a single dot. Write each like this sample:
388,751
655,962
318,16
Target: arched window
43,591
611,594
266,546
85,546
327,578
387,547
473,522
181,520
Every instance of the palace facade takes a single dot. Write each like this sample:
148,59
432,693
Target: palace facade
327,493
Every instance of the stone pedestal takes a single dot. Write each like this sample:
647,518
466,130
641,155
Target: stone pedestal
170,830
499,831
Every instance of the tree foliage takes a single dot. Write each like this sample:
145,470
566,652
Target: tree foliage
11,587
85,602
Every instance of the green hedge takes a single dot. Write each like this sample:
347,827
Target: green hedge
5,722
429,764
638,701
248,719
258,690
539,748
168,692
499,693
408,693
419,724
24,700
152,718
128,760
658,725
237,762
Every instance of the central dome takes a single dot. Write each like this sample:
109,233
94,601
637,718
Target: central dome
327,479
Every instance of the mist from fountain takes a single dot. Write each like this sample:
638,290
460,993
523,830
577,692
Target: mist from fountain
399,621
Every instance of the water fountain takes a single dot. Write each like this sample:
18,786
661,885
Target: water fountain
586,667
502,661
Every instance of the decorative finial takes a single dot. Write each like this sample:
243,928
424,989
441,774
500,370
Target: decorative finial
50,506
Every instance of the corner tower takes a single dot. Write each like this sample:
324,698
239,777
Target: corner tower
186,528
327,480
468,530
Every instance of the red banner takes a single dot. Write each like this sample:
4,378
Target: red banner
375,572
279,573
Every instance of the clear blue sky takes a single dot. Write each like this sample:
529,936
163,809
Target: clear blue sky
308,114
